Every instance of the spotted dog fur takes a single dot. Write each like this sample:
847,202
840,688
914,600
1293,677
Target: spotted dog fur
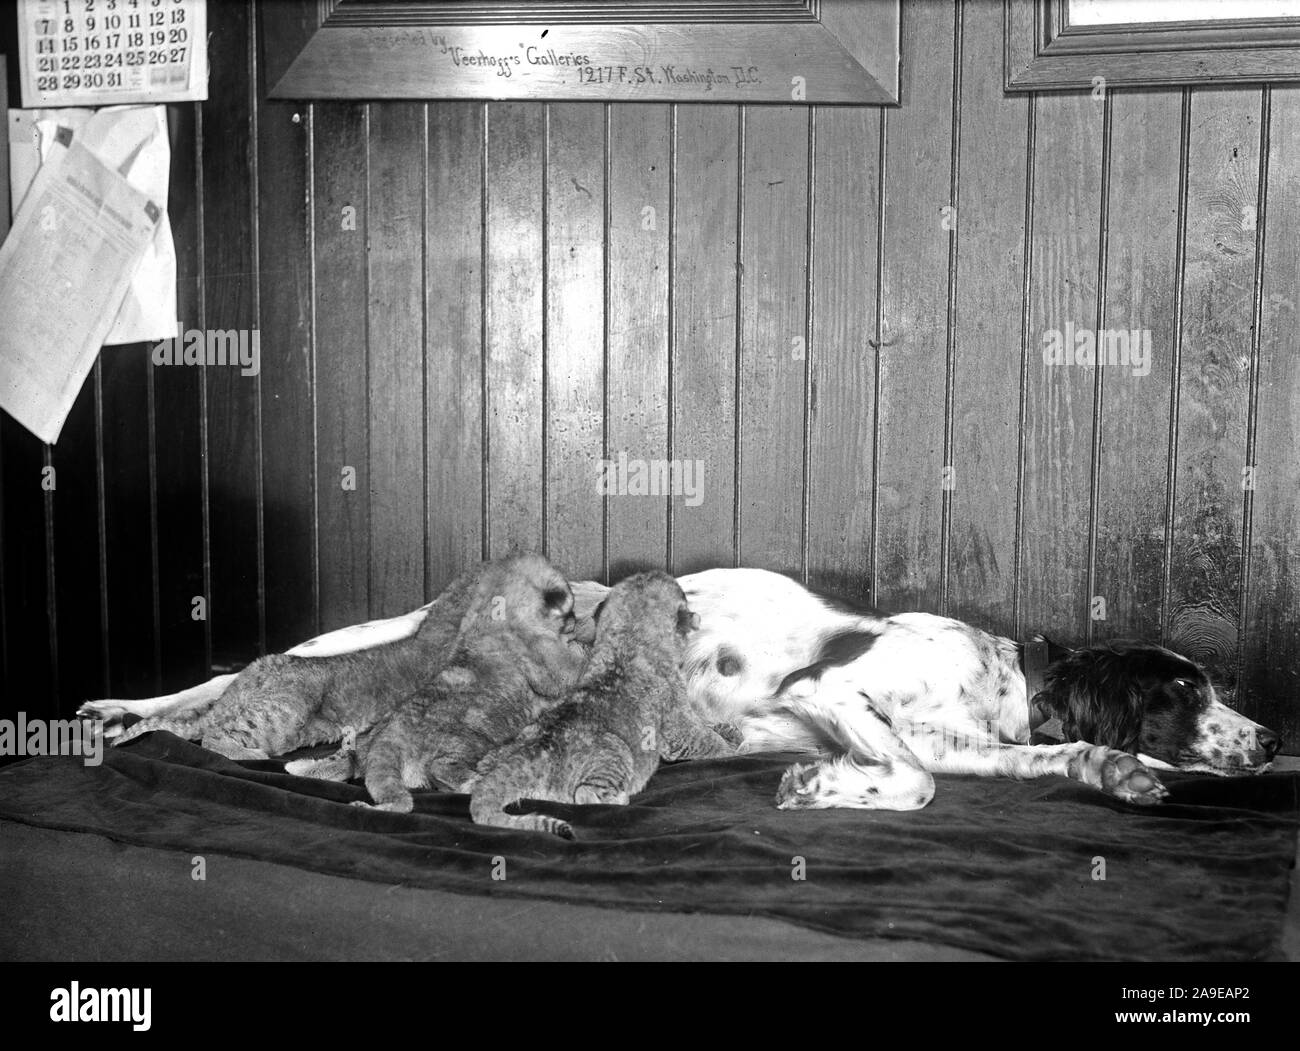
885,702
603,743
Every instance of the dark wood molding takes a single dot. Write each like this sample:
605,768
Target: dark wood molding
1045,53
778,51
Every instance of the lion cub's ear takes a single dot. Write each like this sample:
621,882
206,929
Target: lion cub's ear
558,599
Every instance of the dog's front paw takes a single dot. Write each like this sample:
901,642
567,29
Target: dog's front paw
1123,776
1126,777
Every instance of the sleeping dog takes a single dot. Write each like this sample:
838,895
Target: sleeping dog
884,702
881,703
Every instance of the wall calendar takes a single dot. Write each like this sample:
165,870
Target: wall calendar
110,52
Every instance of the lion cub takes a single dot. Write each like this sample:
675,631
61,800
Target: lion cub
280,703
629,709
515,655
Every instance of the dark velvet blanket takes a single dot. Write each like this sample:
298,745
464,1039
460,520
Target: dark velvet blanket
996,866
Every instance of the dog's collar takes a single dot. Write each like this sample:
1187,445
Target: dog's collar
1035,656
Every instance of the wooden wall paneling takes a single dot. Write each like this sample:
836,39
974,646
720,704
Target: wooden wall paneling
178,426
1271,625
703,338
398,153
340,228
513,322
81,632
773,342
575,337
640,220
4,232
4,160
30,672
841,395
454,342
235,605
913,358
1213,393
1060,397
129,571
986,334
1141,287
284,323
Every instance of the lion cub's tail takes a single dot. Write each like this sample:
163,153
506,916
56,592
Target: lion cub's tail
490,809
190,727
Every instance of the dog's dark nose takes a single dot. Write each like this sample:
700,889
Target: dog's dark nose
1269,741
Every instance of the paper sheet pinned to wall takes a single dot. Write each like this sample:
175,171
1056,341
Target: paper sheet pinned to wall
64,269
116,135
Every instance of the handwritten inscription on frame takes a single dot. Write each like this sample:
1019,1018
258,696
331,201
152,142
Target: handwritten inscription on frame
842,51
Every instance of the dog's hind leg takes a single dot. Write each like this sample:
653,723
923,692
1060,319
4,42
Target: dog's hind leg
168,706
876,770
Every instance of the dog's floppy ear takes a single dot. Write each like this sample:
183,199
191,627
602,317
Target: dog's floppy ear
1095,698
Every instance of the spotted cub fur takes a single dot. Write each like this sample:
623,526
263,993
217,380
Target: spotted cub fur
515,655
606,739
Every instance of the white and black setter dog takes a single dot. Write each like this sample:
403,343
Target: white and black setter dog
880,703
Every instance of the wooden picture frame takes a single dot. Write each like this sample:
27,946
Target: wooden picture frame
1044,52
764,51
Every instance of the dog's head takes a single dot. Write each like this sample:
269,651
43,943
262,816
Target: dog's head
1151,701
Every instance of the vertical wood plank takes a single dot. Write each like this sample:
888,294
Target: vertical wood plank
704,334
454,294
284,283
1059,404
4,232
1271,676
236,609
29,678
177,423
395,311
1223,170
77,554
1137,370
575,326
514,307
842,387
990,220
339,231
913,365
639,223
4,160
129,557
773,355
